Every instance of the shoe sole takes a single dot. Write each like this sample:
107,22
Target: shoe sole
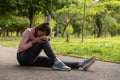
89,64
60,69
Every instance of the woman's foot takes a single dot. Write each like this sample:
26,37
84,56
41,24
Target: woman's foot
61,66
87,63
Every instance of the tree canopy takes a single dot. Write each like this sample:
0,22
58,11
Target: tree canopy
85,17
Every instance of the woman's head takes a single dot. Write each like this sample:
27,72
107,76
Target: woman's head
42,30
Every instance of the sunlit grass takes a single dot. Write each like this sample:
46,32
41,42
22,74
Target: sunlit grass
9,41
103,48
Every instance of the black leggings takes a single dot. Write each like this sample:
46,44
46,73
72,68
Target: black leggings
30,57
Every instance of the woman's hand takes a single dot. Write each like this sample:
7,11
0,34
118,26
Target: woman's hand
43,38
39,39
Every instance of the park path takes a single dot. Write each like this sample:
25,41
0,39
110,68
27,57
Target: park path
10,70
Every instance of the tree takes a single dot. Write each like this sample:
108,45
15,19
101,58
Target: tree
29,8
111,19
110,24
99,25
100,13
64,10
64,22
76,27
12,24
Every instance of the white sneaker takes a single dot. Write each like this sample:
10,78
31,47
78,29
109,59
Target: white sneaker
61,66
87,63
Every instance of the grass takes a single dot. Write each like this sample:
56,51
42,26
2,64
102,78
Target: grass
9,41
107,49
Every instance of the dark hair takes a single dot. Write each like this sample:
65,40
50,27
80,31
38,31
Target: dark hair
44,27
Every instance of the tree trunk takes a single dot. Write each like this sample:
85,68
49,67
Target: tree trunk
84,21
99,25
17,32
47,19
4,32
63,34
11,33
0,33
105,33
68,37
31,17
99,31
64,29
21,32
94,33
56,30
7,32
113,34
78,34
31,21
65,26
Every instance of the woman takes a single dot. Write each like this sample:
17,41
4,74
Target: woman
33,41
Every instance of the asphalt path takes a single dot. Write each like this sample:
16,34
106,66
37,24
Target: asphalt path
11,70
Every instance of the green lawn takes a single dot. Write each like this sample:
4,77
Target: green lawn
107,49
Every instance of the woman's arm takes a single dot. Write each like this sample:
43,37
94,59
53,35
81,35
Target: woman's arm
25,43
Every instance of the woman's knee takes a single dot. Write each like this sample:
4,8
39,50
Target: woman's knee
44,42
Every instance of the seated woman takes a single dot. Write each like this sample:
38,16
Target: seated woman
34,40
